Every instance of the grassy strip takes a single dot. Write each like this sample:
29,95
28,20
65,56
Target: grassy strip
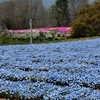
6,39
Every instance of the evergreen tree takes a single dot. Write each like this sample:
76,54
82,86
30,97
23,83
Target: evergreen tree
62,12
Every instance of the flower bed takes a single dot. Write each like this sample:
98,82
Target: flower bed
55,71
60,29
8,37
44,35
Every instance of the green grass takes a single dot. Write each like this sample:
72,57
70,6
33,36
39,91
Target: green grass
73,39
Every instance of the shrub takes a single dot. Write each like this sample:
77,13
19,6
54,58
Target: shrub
22,36
5,94
88,23
42,37
4,38
8,37
35,35
48,36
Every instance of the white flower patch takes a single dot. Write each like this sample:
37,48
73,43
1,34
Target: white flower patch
35,35
20,35
48,35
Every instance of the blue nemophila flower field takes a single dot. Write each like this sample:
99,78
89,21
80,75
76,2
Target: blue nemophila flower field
55,71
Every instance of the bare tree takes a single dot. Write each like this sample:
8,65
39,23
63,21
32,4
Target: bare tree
18,13
24,11
7,13
40,14
75,5
55,21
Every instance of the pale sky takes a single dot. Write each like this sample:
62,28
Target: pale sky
47,3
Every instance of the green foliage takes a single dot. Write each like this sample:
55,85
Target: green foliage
16,96
88,23
42,37
61,5
7,23
5,94
90,31
61,10
4,38
7,38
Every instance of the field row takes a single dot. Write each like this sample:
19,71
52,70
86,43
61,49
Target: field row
55,71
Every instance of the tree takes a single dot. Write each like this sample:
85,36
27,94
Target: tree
74,6
7,13
16,13
61,11
55,20
40,14
88,23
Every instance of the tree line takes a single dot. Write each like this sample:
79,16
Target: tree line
15,14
